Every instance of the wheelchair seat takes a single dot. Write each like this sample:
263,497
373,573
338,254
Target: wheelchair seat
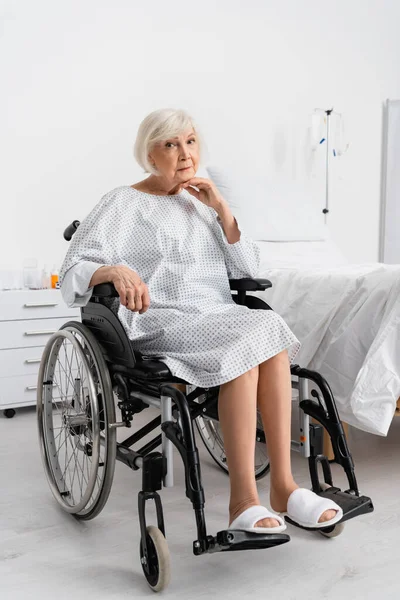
149,369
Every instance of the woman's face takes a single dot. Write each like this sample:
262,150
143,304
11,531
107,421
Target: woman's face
177,158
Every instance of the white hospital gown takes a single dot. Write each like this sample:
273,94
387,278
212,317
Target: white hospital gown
178,248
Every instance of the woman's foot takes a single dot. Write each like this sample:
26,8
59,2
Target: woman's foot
238,509
279,499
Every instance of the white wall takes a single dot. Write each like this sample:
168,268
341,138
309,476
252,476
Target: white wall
79,76
390,221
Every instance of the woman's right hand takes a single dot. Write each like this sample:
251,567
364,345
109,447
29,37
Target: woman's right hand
132,290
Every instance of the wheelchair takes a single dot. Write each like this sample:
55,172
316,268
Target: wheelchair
84,364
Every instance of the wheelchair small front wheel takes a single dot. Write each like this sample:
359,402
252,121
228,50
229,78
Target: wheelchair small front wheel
75,404
335,530
157,565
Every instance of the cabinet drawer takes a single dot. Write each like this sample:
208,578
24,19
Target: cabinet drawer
25,334
18,390
24,361
34,304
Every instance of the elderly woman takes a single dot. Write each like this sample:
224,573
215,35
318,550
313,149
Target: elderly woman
169,244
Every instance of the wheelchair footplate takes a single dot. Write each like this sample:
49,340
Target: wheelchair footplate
237,539
352,506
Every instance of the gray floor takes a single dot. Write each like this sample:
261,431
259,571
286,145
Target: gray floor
45,553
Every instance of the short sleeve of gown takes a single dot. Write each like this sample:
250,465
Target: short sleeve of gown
92,246
242,259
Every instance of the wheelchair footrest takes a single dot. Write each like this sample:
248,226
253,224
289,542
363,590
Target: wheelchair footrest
352,506
232,540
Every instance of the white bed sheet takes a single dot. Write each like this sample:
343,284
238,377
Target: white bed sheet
347,318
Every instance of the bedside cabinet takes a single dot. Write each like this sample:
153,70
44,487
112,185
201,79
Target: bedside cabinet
27,320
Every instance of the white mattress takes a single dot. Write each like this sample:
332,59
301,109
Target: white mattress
347,318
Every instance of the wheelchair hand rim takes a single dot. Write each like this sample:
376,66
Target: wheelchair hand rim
50,461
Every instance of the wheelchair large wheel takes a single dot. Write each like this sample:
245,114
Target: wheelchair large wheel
75,405
211,434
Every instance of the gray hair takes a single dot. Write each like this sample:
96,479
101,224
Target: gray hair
160,125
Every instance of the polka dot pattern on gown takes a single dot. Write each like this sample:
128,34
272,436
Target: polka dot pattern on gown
179,249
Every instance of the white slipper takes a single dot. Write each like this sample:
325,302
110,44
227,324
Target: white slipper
305,508
247,520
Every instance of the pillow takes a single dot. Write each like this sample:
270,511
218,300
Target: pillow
300,255
268,211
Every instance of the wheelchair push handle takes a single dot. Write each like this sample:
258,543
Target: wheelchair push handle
70,230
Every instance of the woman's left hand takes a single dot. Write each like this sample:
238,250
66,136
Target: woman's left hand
207,192
209,195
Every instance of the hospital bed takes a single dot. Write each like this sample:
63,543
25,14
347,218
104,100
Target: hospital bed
347,316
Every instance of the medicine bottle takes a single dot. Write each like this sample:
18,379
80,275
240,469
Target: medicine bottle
46,283
54,278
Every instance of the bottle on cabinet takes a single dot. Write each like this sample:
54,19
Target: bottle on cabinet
54,278
46,279
31,274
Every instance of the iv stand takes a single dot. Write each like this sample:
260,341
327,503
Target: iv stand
326,209
328,114
336,152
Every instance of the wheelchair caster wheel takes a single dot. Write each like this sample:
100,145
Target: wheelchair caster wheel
333,531
9,413
157,565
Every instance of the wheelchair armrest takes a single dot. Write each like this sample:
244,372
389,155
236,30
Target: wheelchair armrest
249,285
105,290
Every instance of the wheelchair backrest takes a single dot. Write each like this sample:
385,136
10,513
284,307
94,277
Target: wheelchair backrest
101,319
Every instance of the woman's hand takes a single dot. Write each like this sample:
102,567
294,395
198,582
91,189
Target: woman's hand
207,193
132,290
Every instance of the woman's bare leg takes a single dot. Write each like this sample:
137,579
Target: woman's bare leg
274,399
237,409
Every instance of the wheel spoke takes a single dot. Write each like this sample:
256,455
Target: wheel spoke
76,470
72,418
